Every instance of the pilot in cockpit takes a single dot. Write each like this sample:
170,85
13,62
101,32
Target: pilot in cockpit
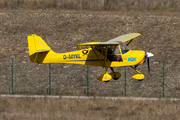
110,50
113,53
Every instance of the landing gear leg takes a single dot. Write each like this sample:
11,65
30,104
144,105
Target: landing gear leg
105,77
106,69
136,70
139,76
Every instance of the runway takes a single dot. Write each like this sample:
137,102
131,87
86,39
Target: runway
88,97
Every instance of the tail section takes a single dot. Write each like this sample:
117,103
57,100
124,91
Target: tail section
38,49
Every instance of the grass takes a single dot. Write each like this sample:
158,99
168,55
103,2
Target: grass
90,109
125,5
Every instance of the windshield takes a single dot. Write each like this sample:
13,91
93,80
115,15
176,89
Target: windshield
124,48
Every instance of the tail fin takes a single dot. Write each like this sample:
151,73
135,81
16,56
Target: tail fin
38,49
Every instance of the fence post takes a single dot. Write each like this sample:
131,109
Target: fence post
49,78
87,81
163,77
12,74
125,81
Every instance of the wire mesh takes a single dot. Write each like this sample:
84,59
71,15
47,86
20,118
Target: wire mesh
69,79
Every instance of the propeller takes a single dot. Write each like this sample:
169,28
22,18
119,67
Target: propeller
148,55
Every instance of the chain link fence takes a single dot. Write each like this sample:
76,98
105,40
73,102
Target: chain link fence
22,77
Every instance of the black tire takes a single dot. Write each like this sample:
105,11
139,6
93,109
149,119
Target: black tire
106,81
115,78
140,80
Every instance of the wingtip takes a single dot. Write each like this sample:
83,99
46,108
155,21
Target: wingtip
138,33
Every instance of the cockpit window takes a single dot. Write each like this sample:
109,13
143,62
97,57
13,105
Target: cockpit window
113,52
124,48
101,49
114,49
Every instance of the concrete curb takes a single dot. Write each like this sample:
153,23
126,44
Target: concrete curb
91,97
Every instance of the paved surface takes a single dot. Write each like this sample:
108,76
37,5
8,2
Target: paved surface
86,97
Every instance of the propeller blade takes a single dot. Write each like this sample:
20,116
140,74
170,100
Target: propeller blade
148,55
148,65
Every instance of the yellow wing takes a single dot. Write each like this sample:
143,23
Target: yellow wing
98,43
115,41
125,38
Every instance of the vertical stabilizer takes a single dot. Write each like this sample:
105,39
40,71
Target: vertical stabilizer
38,49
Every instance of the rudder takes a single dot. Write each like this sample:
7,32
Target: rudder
38,49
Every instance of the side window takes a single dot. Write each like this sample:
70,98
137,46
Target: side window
117,51
101,49
110,51
113,53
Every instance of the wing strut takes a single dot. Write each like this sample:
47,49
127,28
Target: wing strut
97,56
129,42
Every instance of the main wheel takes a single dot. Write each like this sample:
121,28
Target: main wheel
140,80
115,75
106,81
115,78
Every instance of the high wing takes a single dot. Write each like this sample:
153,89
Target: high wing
115,41
125,38
98,44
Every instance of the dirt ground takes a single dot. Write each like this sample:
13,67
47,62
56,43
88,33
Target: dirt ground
63,29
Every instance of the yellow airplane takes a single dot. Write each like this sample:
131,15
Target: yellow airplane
113,53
